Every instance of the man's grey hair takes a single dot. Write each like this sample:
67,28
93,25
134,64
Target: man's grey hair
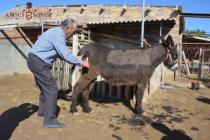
67,23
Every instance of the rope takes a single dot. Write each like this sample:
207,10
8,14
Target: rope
145,42
168,53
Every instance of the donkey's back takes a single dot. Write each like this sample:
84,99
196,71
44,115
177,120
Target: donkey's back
119,67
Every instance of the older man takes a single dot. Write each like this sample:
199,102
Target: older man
50,45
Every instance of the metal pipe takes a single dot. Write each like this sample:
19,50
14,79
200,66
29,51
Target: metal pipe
196,43
142,23
42,24
160,41
89,36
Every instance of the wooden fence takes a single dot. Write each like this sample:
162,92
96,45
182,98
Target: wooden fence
102,89
62,73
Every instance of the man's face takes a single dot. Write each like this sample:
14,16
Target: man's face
70,31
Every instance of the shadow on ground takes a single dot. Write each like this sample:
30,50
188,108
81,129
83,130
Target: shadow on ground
11,118
170,134
203,100
64,95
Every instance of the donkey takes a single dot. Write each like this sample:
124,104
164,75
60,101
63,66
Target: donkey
121,67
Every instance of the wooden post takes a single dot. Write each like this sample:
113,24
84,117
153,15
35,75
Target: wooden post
203,57
185,60
53,69
98,86
66,75
127,97
199,68
118,92
92,92
58,74
110,90
75,52
102,88
180,59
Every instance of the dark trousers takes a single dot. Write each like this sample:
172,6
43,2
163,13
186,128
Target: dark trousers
47,86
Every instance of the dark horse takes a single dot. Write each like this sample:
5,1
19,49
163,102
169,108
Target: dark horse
121,67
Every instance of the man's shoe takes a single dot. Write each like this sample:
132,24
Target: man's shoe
57,125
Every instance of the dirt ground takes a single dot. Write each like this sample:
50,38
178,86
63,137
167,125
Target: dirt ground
175,114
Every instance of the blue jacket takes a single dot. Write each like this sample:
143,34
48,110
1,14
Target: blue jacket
51,44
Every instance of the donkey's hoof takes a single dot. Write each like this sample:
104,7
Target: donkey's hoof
87,109
74,111
139,111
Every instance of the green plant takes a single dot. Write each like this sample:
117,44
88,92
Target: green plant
14,73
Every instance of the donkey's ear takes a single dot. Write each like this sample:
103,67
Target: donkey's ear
170,41
164,42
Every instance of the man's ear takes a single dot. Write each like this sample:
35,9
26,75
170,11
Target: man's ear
67,28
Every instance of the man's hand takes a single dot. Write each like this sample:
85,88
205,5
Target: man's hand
79,57
86,64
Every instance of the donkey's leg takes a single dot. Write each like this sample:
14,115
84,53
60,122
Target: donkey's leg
84,81
85,96
78,88
139,96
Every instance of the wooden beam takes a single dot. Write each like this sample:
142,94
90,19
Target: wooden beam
195,15
101,9
125,8
49,9
118,38
64,9
82,9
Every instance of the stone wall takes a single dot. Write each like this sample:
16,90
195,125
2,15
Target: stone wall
14,47
13,57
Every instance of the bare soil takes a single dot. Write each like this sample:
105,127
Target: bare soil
175,114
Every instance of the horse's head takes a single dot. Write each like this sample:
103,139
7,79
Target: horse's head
171,58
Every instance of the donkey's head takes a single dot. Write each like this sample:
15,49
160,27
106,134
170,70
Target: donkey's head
171,58
85,51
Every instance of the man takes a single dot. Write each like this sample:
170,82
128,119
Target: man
50,45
